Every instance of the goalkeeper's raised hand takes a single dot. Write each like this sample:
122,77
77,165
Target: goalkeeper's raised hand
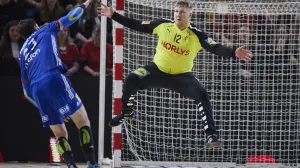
104,10
243,54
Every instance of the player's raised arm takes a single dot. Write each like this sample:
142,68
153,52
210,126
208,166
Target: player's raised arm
73,15
142,26
210,45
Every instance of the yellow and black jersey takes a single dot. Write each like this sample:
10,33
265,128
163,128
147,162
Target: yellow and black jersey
176,49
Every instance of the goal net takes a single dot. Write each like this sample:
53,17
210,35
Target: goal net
255,104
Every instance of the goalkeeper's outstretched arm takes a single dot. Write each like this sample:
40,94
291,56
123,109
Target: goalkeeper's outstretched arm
210,45
142,26
134,24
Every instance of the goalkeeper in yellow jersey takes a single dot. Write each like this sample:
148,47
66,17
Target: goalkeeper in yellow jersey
178,44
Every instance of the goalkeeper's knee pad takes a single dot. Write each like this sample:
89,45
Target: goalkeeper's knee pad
87,143
64,149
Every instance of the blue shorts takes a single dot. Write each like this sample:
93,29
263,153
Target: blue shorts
55,98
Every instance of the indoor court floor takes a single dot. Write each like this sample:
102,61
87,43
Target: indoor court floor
46,165
40,165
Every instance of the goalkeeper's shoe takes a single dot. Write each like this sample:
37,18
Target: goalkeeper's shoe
212,141
124,115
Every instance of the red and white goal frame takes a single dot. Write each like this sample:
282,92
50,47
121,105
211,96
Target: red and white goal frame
117,83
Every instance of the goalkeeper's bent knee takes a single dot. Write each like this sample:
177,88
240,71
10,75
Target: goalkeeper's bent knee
131,85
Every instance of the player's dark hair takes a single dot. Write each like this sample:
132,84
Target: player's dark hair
184,3
26,27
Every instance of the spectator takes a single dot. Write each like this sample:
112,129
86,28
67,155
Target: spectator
68,52
244,35
296,28
285,53
283,67
247,38
10,10
90,55
32,7
244,39
35,3
49,10
67,4
10,46
82,31
278,62
266,26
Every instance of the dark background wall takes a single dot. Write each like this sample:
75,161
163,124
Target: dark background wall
22,137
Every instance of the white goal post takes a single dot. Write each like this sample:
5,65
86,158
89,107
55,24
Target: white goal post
256,104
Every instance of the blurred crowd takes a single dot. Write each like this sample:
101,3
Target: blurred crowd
273,39
269,83
79,45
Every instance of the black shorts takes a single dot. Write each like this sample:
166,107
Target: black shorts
186,83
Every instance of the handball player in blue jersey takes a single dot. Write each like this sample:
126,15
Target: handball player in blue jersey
46,86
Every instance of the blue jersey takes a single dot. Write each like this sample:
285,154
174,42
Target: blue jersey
43,81
40,54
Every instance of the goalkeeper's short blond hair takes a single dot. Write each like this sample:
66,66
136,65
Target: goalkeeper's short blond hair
185,3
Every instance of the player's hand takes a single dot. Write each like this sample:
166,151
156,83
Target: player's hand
108,73
243,54
104,10
96,74
69,73
87,3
